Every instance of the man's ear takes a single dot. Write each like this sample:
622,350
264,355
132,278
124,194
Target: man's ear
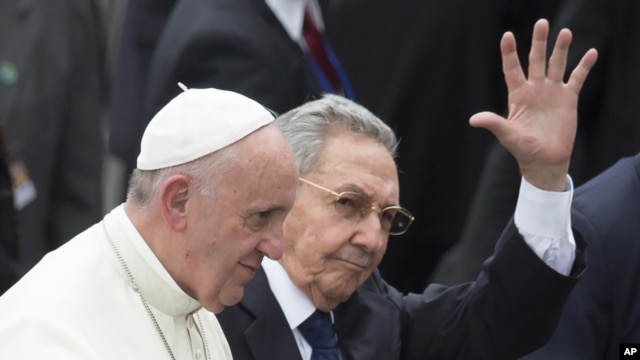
175,194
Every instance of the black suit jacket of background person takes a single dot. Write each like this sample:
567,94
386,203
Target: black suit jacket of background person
426,66
236,45
143,23
603,310
9,270
511,309
51,114
608,108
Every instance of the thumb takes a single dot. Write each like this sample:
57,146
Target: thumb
490,121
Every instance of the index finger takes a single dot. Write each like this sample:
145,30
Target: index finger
513,74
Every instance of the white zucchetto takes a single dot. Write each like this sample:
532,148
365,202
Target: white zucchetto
198,122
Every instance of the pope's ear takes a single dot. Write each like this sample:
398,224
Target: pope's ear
175,194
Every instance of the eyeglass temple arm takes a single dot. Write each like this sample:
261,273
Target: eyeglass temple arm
319,187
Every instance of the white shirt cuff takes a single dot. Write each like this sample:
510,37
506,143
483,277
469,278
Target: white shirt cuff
543,218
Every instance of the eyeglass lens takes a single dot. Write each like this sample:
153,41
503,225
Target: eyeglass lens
393,219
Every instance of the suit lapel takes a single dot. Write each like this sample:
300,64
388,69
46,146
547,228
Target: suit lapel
302,65
269,336
366,325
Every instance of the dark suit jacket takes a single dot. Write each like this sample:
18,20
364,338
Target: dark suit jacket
143,22
608,108
51,113
511,309
236,45
604,309
9,272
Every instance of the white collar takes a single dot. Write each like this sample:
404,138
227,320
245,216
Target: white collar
291,15
174,303
295,305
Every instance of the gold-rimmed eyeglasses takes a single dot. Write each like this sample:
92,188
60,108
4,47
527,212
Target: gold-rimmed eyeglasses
394,219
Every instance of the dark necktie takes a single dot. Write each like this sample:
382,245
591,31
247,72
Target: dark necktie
319,333
318,51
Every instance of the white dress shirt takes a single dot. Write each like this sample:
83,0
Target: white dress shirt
295,305
291,16
543,218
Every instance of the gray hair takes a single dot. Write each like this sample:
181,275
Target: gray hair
206,172
306,126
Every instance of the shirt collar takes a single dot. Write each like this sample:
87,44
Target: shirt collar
295,305
291,15
186,304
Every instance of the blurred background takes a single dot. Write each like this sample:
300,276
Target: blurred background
423,66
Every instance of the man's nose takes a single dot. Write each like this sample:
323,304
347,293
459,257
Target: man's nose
271,246
371,235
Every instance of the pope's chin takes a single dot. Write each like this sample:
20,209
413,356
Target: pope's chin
231,293
227,297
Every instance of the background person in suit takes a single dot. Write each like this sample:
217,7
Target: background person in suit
143,22
603,311
9,270
348,204
608,126
254,47
51,103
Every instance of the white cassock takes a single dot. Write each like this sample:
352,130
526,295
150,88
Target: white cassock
78,303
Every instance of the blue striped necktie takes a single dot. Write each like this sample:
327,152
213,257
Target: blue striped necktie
324,63
319,333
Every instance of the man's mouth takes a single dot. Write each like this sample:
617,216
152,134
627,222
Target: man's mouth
251,269
360,262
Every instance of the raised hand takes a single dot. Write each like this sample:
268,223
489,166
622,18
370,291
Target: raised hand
541,126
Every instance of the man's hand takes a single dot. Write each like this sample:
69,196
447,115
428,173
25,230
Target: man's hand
541,127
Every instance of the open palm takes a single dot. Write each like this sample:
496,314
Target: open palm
541,125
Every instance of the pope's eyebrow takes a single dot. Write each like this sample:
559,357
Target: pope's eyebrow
274,208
